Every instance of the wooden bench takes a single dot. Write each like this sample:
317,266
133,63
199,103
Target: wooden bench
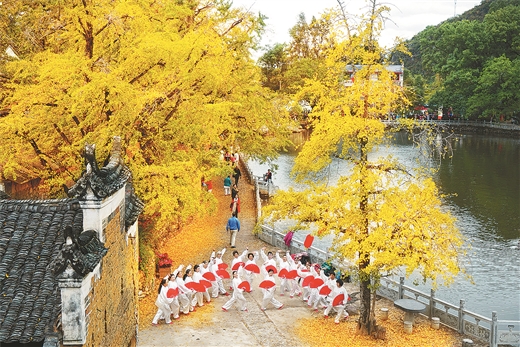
410,307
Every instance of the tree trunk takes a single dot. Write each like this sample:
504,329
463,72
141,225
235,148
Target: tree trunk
366,322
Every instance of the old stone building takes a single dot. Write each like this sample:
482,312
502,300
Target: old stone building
68,267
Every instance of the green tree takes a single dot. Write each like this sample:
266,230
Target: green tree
497,90
273,64
384,219
174,79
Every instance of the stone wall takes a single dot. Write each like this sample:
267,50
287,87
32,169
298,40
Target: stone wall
112,302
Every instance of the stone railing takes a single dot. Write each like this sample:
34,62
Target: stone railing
496,332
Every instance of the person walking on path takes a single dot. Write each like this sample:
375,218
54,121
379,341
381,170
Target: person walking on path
163,303
233,226
237,174
234,192
238,294
235,206
227,185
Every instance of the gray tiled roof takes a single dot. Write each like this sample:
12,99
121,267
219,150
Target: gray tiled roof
31,234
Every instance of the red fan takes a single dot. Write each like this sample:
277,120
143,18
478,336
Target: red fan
291,274
223,273
209,276
253,268
245,286
308,241
205,283
172,292
325,290
307,281
270,267
222,266
237,265
283,273
195,286
338,300
266,284
316,283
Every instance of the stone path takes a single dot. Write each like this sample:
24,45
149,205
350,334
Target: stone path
210,326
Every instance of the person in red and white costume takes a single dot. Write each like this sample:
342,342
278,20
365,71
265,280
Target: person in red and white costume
204,267
295,288
303,272
268,259
174,305
269,292
185,294
162,303
283,263
252,257
238,294
340,308
218,285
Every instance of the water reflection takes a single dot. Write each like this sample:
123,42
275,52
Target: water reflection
484,173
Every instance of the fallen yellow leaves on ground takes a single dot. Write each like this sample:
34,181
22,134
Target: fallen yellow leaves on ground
325,333
191,245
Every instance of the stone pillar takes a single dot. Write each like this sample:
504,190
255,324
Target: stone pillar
74,297
384,313
436,322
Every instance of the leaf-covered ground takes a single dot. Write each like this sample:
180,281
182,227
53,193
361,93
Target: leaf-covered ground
319,331
195,244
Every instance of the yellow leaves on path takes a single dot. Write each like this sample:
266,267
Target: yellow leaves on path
325,333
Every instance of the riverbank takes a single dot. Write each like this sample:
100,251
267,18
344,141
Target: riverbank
294,325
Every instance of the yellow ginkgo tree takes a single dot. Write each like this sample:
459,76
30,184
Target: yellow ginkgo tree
385,218
174,79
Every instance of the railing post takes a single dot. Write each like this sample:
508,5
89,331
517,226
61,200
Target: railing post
493,330
401,289
461,316
432,303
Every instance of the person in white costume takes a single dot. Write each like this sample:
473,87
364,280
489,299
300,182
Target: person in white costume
329,280
268,259
204,267
339,308
283,263
218,285
174,305
162,303
293,283
185,294
303,272
197,276
249,275
269,293
238,295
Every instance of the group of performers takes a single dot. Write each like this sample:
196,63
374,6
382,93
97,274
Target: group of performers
182,291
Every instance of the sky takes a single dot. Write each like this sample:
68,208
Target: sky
409,16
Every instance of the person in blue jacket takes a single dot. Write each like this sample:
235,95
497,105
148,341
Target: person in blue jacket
233,226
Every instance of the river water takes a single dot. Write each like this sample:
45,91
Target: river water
483,180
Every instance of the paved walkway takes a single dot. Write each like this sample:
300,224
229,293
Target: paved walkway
210,326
